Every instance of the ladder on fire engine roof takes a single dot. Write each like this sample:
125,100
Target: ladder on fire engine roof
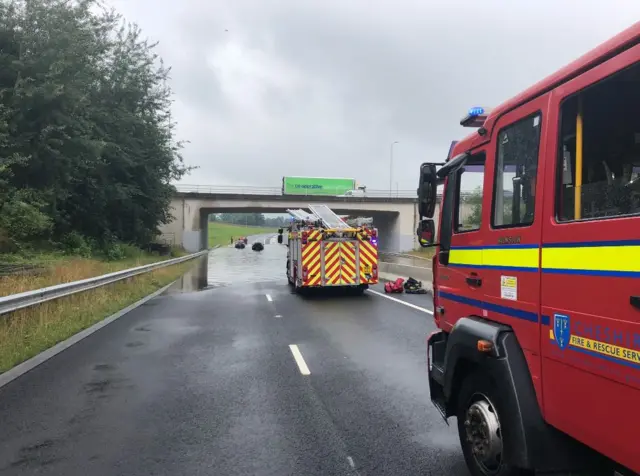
328,217
302,215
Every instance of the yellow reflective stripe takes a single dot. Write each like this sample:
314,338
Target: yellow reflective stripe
595,258
518,257
496,257
465,257
609,260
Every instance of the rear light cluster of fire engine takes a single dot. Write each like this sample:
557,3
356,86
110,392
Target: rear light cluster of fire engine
374,271
303,239
305,273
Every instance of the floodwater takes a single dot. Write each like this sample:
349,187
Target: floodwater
227,265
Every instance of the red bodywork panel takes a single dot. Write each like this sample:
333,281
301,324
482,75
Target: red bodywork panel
586,394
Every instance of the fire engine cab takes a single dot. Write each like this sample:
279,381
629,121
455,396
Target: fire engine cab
537,273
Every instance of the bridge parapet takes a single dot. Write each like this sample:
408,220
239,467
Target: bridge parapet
273,192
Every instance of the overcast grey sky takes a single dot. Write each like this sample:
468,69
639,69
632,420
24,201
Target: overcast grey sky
266,88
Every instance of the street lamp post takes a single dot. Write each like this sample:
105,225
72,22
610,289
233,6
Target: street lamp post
391,168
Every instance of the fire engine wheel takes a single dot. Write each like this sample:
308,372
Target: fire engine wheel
481,433
358,290
294,282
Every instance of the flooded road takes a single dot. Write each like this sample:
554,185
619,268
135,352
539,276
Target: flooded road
230,373
227,265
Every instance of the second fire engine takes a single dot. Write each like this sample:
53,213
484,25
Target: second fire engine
324,251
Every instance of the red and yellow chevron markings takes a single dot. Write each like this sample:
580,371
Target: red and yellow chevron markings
314,235
368,259
348,275
332,263
311,271
339,263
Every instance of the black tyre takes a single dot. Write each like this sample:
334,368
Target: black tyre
358,290
297,288
481,430
289,280
294,282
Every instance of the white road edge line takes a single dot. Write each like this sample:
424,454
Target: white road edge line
269,297
302,365
423,309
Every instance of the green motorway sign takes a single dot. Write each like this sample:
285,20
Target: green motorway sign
316,185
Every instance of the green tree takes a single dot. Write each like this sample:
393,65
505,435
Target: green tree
474,201
86,134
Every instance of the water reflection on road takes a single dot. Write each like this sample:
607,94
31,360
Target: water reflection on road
227,265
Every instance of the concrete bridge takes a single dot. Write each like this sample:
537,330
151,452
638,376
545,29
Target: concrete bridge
394,212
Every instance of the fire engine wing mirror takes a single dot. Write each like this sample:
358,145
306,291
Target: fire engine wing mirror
427,190
426,233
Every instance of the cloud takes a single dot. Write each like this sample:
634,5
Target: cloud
283,87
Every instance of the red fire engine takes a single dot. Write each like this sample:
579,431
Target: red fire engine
325,251
537,273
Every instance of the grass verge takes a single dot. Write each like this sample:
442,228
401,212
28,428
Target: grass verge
221,233
423,252
29,331
57,269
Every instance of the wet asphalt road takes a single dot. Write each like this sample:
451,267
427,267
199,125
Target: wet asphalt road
203,382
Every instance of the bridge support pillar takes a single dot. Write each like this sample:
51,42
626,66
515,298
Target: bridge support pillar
189,227
397,230
196,238
204,230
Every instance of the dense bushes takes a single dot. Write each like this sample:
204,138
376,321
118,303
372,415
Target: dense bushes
86,140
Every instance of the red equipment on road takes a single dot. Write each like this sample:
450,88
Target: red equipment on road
394,286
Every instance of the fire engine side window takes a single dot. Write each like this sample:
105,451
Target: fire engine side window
468,212
516,173
604,119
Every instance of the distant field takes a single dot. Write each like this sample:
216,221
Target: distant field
221,233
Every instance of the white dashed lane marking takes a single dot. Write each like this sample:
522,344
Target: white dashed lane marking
297,355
